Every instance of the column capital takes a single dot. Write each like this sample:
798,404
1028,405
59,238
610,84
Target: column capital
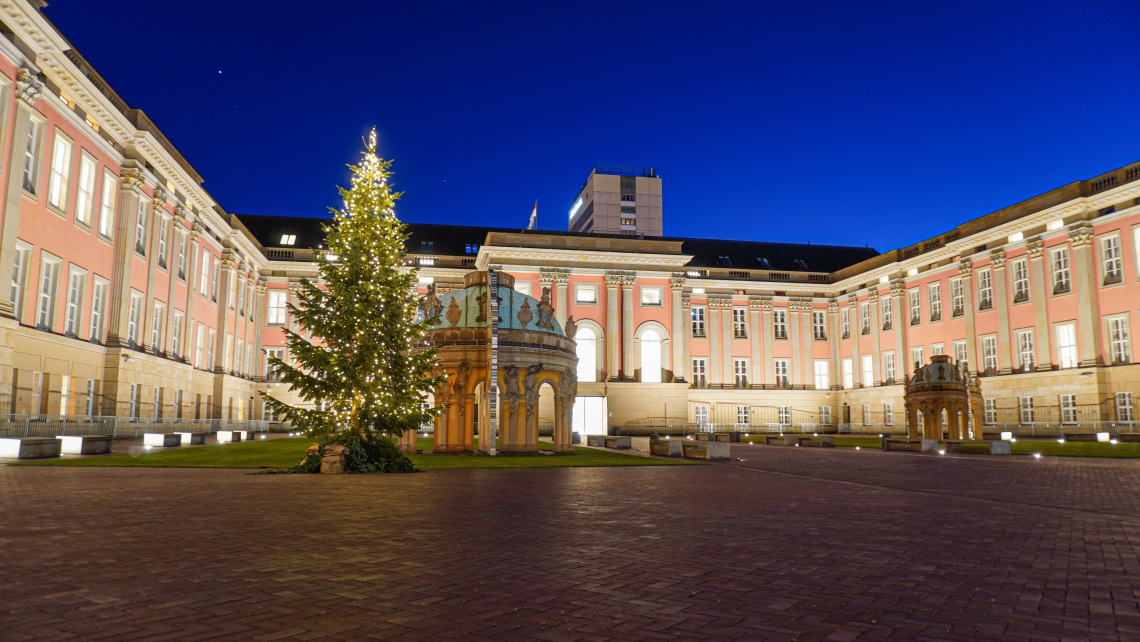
195,231
1081,236
898,287
873,295
852,299
965,267
181,213
545,277
676,282
1035,248
161,197
627,281
766,304
833,306
997,257
613,280
28,86
720,303
131,178
754,304
686,302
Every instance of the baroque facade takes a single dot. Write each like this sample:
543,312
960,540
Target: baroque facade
134,294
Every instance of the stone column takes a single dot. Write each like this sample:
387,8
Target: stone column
856,336
677,358
156,215
130,191
794,337
613,337
1006,349
769,365
28,89
966,270
192,275
1085,282
712,328
806,363
228,266
686,335
258,324
726,336
835,337
876,352
628,364
562,280
756,368
172,269
899,323
1044,357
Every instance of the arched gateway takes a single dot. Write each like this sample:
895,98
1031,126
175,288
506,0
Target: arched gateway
532,351
942,387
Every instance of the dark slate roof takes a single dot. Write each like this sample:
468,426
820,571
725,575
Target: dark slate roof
452,240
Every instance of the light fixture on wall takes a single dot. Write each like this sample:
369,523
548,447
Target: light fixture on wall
127,359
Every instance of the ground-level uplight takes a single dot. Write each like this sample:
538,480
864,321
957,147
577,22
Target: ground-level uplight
1061,440
1037,455
1112,441
941,452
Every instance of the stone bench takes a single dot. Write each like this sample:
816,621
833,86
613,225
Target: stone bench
711,450
227,436
727,437
905,445
1087,436
85,444
192,438
774,440
162,439
29,447
666,447
1128,437
978,447
618,443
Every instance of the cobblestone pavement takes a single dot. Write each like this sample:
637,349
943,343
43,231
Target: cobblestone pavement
788,544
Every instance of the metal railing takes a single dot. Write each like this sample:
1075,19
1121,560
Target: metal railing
118,427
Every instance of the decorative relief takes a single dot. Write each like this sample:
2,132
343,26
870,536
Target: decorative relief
545,311
676,283
852,299
628,280
511,383
766,304
28,86
131,178
898,288
686,301
459,386
161,197
545,278
1036,248
613,280
873,295
481,300
965,268
453,312
754,304
997,257
525,315
180,214
1081,236
833,306
571,327
432,306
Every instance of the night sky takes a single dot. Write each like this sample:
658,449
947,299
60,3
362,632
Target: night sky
860,123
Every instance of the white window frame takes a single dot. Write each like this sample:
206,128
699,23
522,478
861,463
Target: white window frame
1065,337
50,268
985,290
825,415
199,345
100,289
740,323
957,298
1025,410
914,302
85,189
157,330
1119,339
847,368
76,288
865,317
1062,274
19,285
163,231
934,293
107,204
784,415
180,239
276,305
845,323
783,373
917,356
819,325
652,296
1026,354
134,313
272,374
740,372
32,150
1068,404
176,336
989,410
701,414
990,361
1019,269
822,371
697,318
888,414
780,324
1111,259
1124,408
586,294
888,313
937,349
204,278
889,372
212,337
700,371
743,415
867,367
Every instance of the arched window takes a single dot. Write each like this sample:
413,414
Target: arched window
587,354
650,357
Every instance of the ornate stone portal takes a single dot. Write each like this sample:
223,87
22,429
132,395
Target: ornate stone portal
533,351
941,385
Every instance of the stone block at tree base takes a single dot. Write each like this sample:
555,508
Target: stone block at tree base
226,436
666,447
332,462
930,445
29,447
619,443
1000,448
85,444
162,439
192,438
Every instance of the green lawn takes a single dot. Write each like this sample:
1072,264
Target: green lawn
1048,447
286,452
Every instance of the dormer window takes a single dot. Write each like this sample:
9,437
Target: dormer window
472,248
427,246
764,263
288,239
724,260
801,264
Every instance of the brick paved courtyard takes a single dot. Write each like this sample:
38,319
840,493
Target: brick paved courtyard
801,544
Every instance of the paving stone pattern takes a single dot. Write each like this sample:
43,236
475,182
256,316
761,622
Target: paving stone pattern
790,544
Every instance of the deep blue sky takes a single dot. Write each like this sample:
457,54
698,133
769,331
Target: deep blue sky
861,123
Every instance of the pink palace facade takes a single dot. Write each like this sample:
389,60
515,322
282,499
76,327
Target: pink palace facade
131,293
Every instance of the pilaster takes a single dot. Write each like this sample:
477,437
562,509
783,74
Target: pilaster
1044,357
130,191
1084,273
28,88
900,323
679,365
756,368
966,269
628,366
1006,349
613,336
876,352
769,364
686,369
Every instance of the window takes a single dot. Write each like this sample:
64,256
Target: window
848,373
782,379
1025,409
865,318
740,372
960,356
743,417
157,403
1111,264
701,414
288,239
49,278
784,415
199,345
845,323
819,325
210,342
1020,281
427,247
133,316
822,374
868,370
241,288
801,265
889,414
990,410
630,222
177,404
889,366
133,410
915,299
650,356
887,316
916,355
98,308
275,314
780,323
204,279
76,279
180,240
957,298
1066,334
1124,407
85,192
472,248
32,156
214,283
19,278
825,415
232,289
739,323
700,369
90,400
156,327
935,294
985,290
651,296
163,229
238,357
1025,355
228,353
585,294
697,315
140,228
249,362
272,374
1068,409
65,395
1120,347
866,414
107,205
1061,281
989,354
764,263
937,349
176,338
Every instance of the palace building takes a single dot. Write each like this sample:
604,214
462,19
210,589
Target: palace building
134,294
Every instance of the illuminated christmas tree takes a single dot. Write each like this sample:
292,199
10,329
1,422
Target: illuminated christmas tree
358,352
